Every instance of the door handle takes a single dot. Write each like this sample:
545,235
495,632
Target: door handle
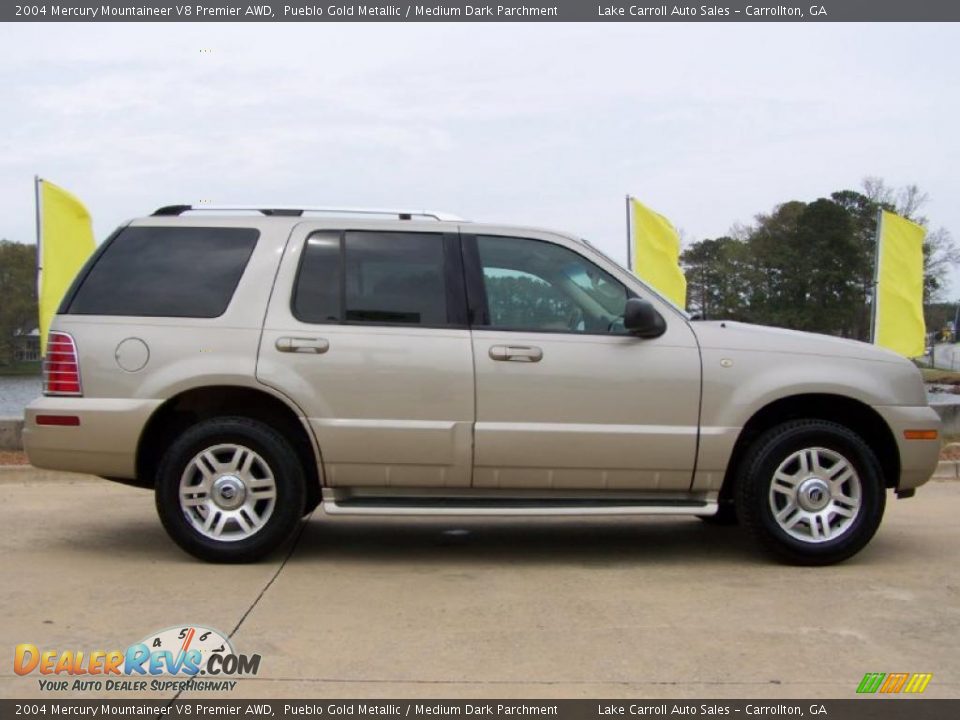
302,345
517,353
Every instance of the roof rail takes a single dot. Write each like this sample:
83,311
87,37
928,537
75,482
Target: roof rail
170,210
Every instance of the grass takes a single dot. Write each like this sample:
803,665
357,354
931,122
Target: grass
21,368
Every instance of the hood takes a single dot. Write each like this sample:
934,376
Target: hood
730,335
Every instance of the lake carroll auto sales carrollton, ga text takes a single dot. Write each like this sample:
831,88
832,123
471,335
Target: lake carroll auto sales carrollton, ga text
709,11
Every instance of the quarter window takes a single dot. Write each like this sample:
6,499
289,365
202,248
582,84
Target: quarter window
189,272
536,285
316,297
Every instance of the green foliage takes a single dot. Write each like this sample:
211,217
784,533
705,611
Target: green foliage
809,266
937,315
18,294
717,272
525,301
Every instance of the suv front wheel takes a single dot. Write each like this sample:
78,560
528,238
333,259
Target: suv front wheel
811,492
230,489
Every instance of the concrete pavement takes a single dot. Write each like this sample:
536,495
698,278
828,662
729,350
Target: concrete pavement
489,608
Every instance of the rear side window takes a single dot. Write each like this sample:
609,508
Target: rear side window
166,272
381,278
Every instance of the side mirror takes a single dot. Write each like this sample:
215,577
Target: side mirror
641,318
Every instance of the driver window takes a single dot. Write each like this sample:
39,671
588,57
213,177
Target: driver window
536,285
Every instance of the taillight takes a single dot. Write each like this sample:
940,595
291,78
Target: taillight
61,367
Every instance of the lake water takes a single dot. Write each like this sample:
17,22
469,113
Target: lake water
16,392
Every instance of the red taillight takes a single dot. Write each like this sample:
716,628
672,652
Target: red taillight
61,367
58,420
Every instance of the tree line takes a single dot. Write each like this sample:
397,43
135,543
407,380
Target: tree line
810,265
18,295
804,265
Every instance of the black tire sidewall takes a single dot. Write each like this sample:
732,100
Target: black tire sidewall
770,451
278,454
725,516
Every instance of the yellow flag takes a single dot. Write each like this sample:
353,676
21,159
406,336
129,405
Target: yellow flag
899,310
655,253
66,241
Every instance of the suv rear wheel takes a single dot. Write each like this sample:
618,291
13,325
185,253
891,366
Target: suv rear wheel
230,489
811,493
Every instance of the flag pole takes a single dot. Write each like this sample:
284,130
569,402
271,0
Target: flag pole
629,238
36,198
39,265
876,278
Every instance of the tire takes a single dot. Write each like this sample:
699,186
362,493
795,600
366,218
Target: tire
822,481
243,490
309,506
726,515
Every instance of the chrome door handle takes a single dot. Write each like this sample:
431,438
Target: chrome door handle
517,353
302,345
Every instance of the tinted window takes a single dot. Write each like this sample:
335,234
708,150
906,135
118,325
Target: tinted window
535,285
166,272
316,297
390,277
396,278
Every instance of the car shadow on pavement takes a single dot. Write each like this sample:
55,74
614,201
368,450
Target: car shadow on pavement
606,542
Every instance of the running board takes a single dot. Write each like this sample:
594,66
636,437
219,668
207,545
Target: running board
337,503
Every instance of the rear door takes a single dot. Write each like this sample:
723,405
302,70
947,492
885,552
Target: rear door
367,332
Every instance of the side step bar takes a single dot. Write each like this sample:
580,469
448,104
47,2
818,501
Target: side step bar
336,502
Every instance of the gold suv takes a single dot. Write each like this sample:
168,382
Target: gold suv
251,365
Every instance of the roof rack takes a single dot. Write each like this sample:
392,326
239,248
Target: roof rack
171,210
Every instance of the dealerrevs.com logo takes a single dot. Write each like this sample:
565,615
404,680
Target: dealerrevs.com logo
189,657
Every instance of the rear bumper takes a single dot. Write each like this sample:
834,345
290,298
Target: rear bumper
104,443
918,458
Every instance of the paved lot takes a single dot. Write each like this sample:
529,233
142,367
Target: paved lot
543,608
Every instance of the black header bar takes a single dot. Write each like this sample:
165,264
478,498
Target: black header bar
478,11
875,708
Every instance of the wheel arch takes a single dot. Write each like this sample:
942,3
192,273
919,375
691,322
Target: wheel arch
201,403
853,414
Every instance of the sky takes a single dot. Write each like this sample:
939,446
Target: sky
537,124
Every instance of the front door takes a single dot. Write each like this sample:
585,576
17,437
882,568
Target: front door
367,332
566,399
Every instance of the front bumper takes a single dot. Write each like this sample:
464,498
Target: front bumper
104,443
918,458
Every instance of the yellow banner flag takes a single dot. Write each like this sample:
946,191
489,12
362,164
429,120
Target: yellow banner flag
655,253
65,242
898,314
